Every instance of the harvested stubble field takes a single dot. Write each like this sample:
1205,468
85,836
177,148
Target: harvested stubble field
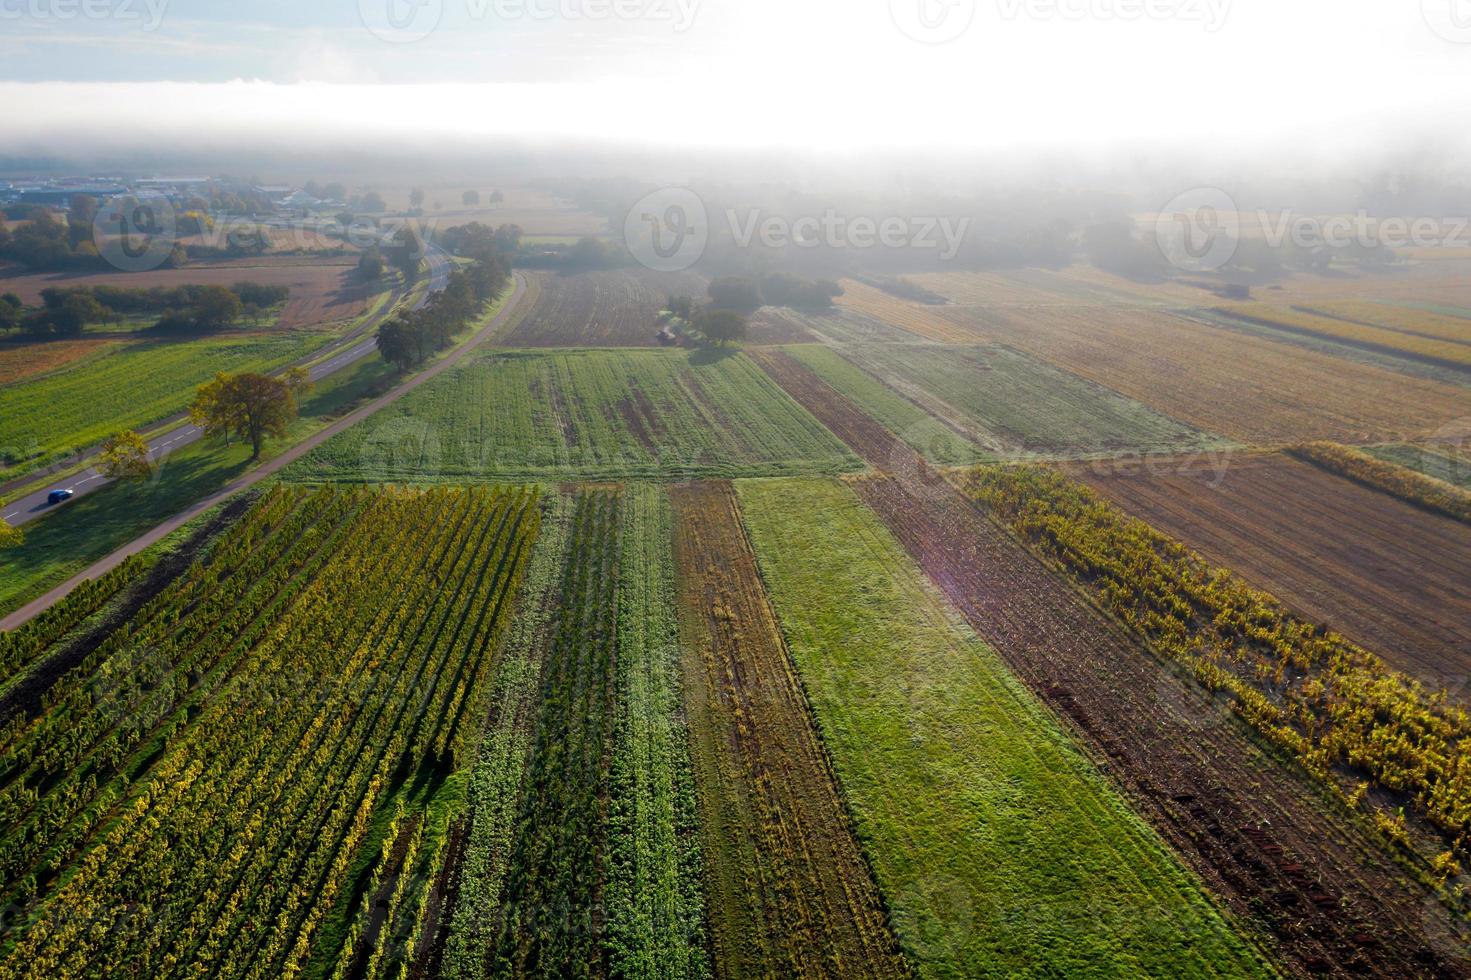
1386,574
1321,888
201,784
125,385
322,290
789,891
1000,847
917,318
1243,387
1007,402
586,414
1431,350
1410,320
618,308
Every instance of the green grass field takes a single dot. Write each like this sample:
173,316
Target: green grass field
585,414
129,386
1000,849
1443,464
62,544
1012,406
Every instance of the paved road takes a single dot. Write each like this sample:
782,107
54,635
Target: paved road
33,505
21,615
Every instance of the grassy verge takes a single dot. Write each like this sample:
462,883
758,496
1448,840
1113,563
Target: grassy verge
1000,849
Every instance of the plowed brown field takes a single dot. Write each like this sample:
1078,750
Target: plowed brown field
1321,886
619,308
1388,575
789,892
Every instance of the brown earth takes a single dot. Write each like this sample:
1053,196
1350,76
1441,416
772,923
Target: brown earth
617,308
1317,884
789,892
1384,573
19,361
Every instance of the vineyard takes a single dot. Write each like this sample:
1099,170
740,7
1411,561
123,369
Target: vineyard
585,414
601,309
125,386
1391,585
1338,709
203,780
946,761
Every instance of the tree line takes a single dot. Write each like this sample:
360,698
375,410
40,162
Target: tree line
66,312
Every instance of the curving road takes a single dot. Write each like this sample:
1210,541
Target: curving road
270,468
33,505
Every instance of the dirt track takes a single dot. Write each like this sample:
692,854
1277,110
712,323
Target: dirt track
1320,888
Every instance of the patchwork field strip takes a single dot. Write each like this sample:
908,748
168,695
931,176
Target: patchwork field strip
1320,885
616,308
1002,849
788,889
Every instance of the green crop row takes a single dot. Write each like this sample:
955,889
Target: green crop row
584,414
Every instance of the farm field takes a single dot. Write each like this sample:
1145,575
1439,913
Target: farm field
1246,388
597,414
125,386
1415,321
600,309
217,752
20,361
1011,404
1000,847
917,318
322,290
1438,461
1379,570
1432,350
1248,824
789,892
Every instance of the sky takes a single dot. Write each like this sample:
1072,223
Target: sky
838,75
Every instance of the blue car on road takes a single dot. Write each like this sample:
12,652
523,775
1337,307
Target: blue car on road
57,496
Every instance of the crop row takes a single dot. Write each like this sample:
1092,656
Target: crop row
296,697
1331,704
601,413
1356,333
1418,488
946,760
